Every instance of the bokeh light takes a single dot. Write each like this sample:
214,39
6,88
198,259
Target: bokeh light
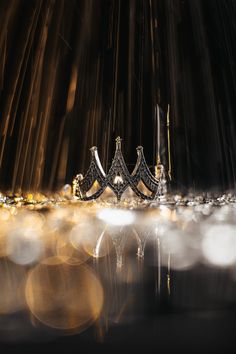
64,297
219,245
69,263
116,217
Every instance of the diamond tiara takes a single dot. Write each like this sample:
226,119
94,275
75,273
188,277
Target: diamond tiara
118,178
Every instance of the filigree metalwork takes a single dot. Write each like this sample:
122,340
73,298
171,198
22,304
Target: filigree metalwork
119,178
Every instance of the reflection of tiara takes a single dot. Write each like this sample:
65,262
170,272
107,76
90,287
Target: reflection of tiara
118,178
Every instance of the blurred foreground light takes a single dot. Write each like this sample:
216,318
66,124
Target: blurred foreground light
219,245
67,251
24,246
116,217
64,297
182,257
4,215
66,191
90,238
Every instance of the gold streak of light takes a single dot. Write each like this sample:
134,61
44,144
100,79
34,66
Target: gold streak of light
131,36
36,68
25,142
57,152
44,130
42,142
72,90
94,112
100,331
152,37
7,111
46,101
63,161
35,149
3,62
26,149
168,142
18,154
116,65
6,14
141,72
157,111
155,137
122,310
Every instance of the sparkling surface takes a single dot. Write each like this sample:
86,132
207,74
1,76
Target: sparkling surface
56,251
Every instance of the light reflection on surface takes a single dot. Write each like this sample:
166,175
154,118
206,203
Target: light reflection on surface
64,297
116,217
73,264
13,279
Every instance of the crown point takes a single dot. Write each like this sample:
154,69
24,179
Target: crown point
93,150
118,142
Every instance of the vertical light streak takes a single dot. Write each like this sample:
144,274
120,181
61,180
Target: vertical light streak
158,249
168,142
3,61
159,265
168,275
126,63
158,134
114,103
24,54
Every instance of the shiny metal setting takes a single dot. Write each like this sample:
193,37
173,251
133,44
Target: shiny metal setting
119,178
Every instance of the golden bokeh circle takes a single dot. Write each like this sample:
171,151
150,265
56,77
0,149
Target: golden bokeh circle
64,297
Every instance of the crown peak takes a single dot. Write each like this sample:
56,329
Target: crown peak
118,140
118,143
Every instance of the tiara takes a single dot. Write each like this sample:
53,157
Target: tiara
118,178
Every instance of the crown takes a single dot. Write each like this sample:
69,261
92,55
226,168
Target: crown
118,178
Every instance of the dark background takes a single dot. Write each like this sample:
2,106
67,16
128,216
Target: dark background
74,74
